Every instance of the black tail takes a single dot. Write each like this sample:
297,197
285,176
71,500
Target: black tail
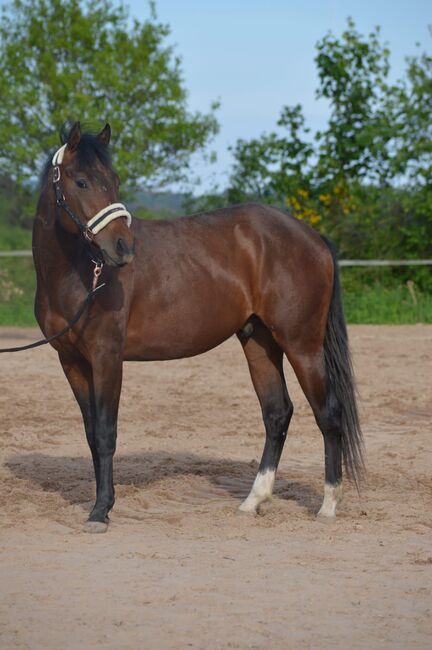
340,378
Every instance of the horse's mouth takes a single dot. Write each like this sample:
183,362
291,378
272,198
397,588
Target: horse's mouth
118,261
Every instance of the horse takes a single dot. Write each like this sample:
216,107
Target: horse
177,288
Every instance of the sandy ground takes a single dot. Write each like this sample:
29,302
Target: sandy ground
179,566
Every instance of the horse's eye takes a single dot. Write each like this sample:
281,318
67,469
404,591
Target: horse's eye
81,183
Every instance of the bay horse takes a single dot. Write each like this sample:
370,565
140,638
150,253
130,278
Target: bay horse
177,288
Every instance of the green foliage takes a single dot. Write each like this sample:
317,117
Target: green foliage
64,60
17,290
352,71
275,165
366,179
14,238
410,105
379,305
16,209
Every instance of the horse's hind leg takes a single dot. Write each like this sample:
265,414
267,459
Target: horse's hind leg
265,360
309,366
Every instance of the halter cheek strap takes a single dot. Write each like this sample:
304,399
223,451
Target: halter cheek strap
101,219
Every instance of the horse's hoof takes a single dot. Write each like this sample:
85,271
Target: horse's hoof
325,519
246,509
95,527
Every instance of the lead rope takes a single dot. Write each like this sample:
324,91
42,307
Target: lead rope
95,288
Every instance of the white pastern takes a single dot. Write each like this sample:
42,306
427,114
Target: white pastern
261,491
332,496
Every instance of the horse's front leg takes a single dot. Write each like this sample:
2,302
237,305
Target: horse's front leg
107,380
97,390
80,377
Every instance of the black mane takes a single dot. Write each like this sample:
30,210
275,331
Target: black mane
90,149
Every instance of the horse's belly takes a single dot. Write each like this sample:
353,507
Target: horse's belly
181,332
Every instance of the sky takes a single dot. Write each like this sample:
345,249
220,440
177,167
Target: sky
256,56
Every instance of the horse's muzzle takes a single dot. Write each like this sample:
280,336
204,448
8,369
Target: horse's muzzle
122,254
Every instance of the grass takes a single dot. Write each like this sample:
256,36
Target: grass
387,295
14,238
367,303
17,290
380,305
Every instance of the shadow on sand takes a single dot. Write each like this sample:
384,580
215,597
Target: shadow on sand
72,477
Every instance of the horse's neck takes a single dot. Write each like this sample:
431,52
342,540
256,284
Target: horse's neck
54,250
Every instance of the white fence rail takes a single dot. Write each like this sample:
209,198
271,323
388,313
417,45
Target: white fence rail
15,253
27,253
385,262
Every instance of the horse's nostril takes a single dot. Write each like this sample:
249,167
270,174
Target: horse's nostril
121,247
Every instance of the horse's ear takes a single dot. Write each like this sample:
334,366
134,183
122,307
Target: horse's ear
74,137
105,135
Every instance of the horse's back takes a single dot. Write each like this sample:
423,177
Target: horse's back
262,229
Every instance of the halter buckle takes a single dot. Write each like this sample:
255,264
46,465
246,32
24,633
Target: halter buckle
56,174
88,234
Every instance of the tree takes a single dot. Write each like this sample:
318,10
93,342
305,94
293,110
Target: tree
366,179
353,73
271,165
410,105
276,168
315,180
379,137
64,60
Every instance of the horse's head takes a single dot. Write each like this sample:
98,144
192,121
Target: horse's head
86,190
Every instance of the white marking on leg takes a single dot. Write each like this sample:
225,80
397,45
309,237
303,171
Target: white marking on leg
261,491
332,496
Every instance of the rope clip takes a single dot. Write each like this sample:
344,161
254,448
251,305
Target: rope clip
96,273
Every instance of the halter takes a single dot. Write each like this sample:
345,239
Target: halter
100,220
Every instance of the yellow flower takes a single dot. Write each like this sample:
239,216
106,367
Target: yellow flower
325,199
